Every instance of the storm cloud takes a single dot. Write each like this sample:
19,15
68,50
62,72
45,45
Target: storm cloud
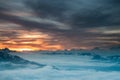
76,23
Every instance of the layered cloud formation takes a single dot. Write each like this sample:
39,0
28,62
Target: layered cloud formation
59,24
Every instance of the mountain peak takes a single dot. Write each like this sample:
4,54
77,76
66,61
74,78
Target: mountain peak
6,57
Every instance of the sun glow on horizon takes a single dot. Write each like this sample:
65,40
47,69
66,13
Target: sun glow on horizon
25,49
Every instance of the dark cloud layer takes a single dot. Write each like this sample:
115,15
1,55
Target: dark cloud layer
80,13
76,23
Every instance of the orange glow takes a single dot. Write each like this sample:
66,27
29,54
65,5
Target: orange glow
14,37
33,35
25,49
31,47
30,41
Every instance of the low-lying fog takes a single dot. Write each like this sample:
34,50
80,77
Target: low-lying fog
82,66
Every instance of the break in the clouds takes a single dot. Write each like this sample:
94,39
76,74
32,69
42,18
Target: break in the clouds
59,24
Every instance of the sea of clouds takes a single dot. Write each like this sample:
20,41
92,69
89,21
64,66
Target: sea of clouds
63,67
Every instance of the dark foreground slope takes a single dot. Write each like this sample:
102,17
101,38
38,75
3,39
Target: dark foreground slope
8,61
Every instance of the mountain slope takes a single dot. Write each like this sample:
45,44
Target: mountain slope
9,61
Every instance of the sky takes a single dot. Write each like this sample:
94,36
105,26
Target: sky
59,24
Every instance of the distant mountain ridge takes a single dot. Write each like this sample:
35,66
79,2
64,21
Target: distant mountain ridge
92,54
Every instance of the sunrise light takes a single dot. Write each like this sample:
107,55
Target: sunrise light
25,49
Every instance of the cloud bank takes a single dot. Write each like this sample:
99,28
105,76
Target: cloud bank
76,23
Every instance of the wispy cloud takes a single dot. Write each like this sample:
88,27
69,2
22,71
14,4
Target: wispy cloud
75,23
